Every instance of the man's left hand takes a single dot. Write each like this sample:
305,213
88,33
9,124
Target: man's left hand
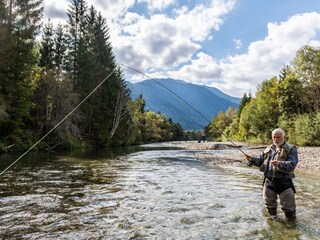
275,163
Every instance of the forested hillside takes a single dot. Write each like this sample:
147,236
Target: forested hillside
290,101
64,83
159,97
50,85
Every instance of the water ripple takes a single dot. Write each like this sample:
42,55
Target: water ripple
155,194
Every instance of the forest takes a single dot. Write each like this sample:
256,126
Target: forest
63,84
290,101
49,78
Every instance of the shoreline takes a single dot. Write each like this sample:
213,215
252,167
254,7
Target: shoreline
218,153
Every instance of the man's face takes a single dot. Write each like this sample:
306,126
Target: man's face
278,139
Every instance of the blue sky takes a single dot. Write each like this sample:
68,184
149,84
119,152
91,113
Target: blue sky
230,44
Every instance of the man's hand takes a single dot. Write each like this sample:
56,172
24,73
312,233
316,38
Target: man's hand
275,163
248,157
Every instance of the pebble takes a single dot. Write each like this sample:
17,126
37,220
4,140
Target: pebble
309,157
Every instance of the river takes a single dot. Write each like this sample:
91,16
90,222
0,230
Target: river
143,193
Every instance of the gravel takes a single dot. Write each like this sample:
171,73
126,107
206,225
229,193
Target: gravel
309,157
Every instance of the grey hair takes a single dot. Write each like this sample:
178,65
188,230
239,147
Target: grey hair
278,130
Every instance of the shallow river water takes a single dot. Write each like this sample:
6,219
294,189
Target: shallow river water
145,193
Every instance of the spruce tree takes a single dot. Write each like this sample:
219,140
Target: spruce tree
76,23
60,46
90,61
106,100
47,49
245,99
18,59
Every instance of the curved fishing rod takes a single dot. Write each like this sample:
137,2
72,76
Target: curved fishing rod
188,104
25,153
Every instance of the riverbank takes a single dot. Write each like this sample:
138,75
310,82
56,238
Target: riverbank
227,153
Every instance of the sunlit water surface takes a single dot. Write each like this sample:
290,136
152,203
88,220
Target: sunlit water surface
143,194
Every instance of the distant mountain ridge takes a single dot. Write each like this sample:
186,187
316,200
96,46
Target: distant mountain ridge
208,101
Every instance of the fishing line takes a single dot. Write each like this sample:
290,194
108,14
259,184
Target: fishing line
74,109
185,102
25,153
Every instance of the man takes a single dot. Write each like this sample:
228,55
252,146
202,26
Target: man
278,162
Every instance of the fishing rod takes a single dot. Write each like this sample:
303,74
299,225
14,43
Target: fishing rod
188,104
74,109
34,145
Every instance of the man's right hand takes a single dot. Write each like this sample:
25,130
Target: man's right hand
248,157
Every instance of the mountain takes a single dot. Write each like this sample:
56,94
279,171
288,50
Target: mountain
217,92
172,97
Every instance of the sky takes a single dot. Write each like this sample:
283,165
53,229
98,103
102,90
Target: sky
233,45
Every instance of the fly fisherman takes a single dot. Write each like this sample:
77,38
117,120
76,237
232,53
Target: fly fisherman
278,162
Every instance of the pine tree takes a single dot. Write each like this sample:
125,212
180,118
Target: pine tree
245,99
91,61
76,23
47,49
17,61
53,97
3,68
60,49
107,98
284,72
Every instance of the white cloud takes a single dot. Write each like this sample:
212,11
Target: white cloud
264,59
315,43
157,42
199,21
55,11
158,4
237,43
112,9
163,43
169,45
203,68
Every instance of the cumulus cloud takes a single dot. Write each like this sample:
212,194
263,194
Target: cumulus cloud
56,12
168,42
201,70
264,59
158,5
159,42
198,23
112,9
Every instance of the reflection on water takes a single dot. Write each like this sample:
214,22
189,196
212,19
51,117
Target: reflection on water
134,194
